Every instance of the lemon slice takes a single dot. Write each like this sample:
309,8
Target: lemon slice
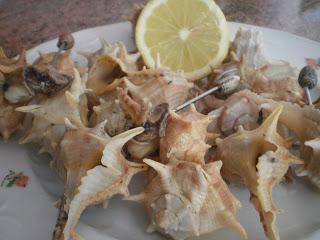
187,35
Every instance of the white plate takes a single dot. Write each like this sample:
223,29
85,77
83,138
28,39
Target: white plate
28,213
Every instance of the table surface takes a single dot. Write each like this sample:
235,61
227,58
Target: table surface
28,23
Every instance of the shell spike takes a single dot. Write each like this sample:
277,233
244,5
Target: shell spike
129,84
272,121
24,140
219,140
174,115
126,136
114,147
233,57
193,108
241,129
124,191
158,167
2,54
136,198
217,165
5,135
69,125
42,150
29,108
158,61
70,98
99,129
123,50
233,224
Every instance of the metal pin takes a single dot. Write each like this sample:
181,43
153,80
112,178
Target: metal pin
197,98
308,79
228,83
221,78
65,42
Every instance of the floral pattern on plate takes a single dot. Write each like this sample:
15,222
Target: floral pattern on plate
15,179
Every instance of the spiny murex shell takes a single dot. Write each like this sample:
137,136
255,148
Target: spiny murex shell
64,63
238,110
103,181
291,117
185,137
117,120
48,125
305,123
79,151
10,120
259,159
108,64
272,79
64,105
313,167
150,88
186,199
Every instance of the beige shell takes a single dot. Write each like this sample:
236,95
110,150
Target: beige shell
35,132
150,87
109,64
243,108
48,124
17,92
291,118
42,132
14,89
185,137
79,151
272,79
117,50
64,63
305,123
103,181
10,69
186,200
10,120
52,136
238,110
259,159
138,112
64,105
249,42
144,144
117,120
141,149
278,82
313,166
